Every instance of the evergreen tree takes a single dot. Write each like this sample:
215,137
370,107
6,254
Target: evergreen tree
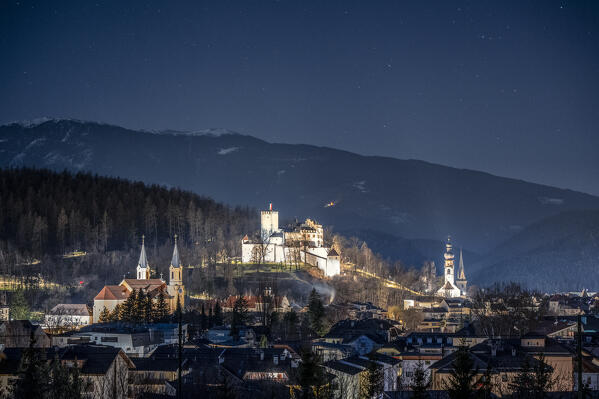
420,382
203,321
147,307
312,377
66,382
19,308
290,319
316,312
128,308
372,384
533,383
239,315
218,314
117,313
33,379
461,381
161,310
104,315
210,318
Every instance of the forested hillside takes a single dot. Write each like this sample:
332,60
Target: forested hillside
46,216
44,213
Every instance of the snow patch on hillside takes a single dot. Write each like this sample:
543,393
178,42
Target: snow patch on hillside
35,142
551,201
360,185
225,151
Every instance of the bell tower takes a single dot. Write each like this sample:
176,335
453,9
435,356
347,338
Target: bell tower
449,263
175,286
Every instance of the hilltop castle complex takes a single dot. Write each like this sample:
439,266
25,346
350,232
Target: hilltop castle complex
302,242
112,295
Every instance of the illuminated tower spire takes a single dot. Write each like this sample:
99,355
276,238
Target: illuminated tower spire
143,269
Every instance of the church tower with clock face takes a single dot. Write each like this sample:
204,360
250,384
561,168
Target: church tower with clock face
175,287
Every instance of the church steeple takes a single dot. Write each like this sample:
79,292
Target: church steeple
175,258
143,269
175,270
461,282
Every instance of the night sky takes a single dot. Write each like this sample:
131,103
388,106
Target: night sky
510,88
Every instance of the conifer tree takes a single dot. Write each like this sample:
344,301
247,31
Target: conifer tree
239,315
104,315
161,310
66,382
33,379
203,321
117,313
128,308
19,308
218,314
316,312
460,384
146,307
420,382
372,382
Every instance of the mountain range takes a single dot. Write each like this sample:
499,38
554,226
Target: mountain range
403,208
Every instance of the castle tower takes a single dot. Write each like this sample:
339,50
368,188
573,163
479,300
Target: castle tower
143,269
461,281
269,223
449,263
175,286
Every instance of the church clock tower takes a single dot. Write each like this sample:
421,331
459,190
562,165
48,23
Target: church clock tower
175,286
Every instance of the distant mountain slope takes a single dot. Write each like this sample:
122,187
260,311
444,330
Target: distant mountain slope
404,198
557,253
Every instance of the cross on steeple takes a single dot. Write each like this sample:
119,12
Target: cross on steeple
175,239
143,239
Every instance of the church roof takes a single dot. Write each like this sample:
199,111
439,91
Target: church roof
143,259
332,252
175,260
112,292
461,274
448,286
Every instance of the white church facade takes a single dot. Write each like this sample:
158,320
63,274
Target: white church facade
303,242
452,288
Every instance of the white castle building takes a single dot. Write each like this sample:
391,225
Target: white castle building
303,242
451,288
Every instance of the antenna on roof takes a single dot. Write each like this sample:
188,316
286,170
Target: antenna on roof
270,206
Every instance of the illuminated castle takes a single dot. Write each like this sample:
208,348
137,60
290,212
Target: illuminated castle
302,242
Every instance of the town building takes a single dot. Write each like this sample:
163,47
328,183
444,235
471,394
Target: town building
20,333
302,242
350,373
68,316
112,295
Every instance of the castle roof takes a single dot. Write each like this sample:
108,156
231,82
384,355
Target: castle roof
112,292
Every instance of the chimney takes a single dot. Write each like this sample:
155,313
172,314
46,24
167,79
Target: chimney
275,359
514,352
221,359
261,355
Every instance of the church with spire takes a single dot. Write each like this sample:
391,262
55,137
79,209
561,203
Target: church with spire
452,287
112,295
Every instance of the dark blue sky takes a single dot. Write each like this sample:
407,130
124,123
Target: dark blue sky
508,87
